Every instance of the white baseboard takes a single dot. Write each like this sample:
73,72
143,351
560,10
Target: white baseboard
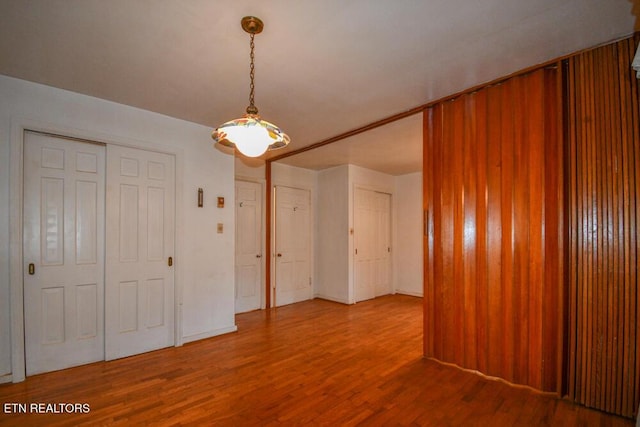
410,293
209,334
328,298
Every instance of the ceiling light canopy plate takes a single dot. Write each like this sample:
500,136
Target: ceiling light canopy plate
252,25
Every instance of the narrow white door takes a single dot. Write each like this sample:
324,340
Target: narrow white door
139,289
248,246
372,242
363,224
292,246
63,251
382,251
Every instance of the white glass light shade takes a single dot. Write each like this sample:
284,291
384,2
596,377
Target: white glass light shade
251,135
252,141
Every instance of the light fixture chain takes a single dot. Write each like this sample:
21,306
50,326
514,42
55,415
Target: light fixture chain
252,108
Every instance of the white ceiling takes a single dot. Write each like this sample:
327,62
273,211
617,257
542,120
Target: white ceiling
323,67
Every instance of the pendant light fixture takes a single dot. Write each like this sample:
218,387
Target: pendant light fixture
251,135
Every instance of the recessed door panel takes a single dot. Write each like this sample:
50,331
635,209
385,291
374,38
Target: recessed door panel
86,222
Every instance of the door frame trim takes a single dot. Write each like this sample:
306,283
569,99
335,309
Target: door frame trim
19,125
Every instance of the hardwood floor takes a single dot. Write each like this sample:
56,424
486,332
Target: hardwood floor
312,363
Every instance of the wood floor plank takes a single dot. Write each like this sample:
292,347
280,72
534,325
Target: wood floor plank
312,363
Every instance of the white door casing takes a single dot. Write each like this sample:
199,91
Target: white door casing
372,243
63,239
139,285
382,252
292,246
248,246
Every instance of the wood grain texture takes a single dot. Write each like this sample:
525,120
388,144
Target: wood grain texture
312,363
494,195
604,182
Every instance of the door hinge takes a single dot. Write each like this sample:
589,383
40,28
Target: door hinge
309,281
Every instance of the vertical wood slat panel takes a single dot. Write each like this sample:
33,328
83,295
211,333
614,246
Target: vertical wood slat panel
604,180
520,202
506,216
458,260
447,216
489,195
428,126
608,223
572,232
495,325
481,265
554,321
469,234
632,300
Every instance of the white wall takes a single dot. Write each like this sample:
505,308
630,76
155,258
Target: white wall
407,236
370,179
292,176
249,169
332,243
204,260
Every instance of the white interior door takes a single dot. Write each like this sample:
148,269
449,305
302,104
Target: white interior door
63,251
372,241
363,224
139,290
382,251
292,246
248,246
